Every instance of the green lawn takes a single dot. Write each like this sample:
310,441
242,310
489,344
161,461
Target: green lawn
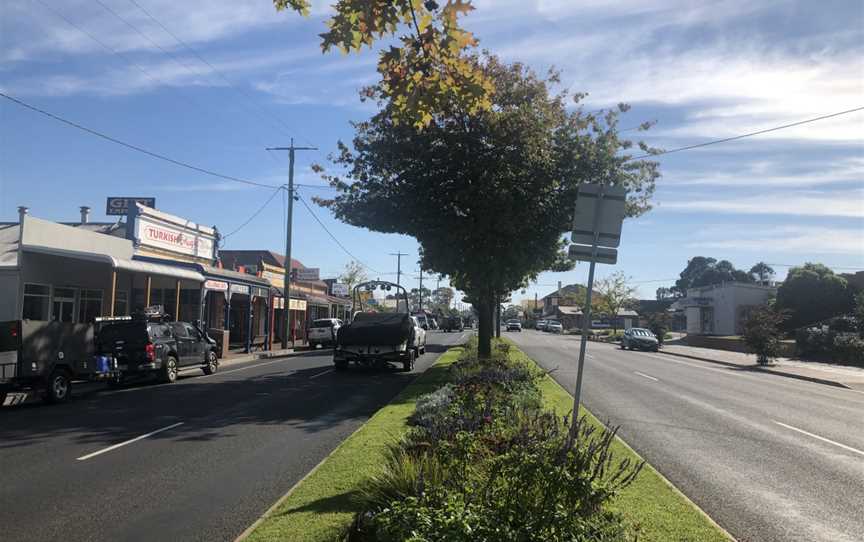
655,507
320,508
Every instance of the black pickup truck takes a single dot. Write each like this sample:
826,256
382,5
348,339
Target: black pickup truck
40,358
148,347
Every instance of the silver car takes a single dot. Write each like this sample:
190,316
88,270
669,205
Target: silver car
639,338
554,326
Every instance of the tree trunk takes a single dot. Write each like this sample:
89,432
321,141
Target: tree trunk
484,325
498,316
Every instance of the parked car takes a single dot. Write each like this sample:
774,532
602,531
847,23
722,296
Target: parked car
142,347
422,320
553,326
453,323
639,338
540,325
514,325
323,332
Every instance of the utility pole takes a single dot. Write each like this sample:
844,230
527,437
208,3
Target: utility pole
398,265
286,329
421,288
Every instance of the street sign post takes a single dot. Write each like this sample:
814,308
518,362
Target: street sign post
597,221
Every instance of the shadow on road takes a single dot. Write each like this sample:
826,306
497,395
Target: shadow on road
209,407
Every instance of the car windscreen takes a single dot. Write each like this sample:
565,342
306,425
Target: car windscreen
126,331
322,323
554,322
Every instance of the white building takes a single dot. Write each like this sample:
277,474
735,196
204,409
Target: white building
722,309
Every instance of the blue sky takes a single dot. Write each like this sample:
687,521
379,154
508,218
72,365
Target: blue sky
702,70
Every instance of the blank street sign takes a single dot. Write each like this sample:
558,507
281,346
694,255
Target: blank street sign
611,215
583,253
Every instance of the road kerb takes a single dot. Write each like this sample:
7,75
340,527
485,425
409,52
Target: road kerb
249,530
814,379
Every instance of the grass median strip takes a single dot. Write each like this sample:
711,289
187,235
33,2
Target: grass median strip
321,507
651,503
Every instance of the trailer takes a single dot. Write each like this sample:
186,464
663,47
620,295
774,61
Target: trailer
39,358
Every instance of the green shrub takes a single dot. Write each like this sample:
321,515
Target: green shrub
849,349
485,462
762,333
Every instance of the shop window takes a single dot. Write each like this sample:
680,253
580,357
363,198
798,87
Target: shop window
37,300
63,305
121,303
90,306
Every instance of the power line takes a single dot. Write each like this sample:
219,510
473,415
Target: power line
348,252
135,147
255,214
242,92
750,134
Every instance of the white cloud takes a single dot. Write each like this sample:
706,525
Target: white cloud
848,203
787,239
774,174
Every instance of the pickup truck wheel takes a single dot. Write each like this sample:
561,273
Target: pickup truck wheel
59,387
408,364
169,372
422,350
211,365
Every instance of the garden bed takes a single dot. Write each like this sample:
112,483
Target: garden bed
484,458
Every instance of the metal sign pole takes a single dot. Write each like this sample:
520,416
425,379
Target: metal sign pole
586,316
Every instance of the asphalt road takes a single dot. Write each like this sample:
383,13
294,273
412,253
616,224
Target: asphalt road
767,457
227,447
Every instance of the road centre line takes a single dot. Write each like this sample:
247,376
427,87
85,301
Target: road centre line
321,374
647,376
823,439
130,441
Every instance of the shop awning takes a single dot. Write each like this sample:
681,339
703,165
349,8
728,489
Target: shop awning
317,300
150,268
122,264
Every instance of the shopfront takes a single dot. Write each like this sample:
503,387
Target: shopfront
236,309
64,274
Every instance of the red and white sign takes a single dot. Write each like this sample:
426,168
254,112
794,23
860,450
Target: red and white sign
216,285
155,233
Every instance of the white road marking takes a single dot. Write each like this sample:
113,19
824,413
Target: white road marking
823,439
321,374
647,376
130,441
247,367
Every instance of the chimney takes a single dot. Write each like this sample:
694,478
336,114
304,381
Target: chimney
85,214
22,212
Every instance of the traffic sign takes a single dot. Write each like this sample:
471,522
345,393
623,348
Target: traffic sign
611,215
583,253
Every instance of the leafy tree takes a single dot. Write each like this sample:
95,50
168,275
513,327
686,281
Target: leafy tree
762,333
813,293
442,298
465,186
614,293
762,272
431,70
859,312
420,298
512,312
702,271
353,274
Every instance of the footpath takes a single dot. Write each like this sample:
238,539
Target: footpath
824,373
